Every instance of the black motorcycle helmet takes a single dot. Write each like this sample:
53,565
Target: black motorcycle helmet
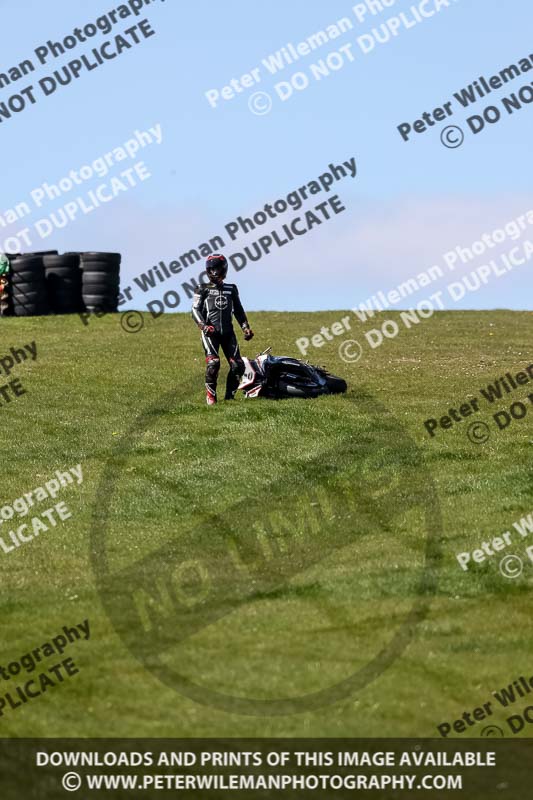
216,267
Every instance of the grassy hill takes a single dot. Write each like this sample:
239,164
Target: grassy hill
263,568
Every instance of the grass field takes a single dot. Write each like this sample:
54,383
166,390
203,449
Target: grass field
295,534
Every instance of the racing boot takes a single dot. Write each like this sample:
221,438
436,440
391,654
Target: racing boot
234,377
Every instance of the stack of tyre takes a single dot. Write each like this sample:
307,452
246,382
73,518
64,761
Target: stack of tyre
28,286
63,282
100,281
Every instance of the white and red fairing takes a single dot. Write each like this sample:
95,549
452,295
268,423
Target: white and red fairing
254,373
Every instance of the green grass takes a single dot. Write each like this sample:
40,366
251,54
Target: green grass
307,522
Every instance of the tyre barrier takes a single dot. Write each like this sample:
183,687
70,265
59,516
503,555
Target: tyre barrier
28,286
47,282
63,283
100,281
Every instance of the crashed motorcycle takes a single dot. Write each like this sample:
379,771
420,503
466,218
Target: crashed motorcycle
278,377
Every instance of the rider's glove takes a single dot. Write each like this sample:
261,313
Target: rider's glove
208,329
248,334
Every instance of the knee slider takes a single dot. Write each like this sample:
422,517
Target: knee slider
213,365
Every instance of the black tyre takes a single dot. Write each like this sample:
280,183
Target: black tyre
28,297
41,253
24,277
70,279
101,279
64,261
23,298
33,286
27,264
100,297
113,258
38,304
32,275
335,385
63,272
100,302
101,268
29,312
98,290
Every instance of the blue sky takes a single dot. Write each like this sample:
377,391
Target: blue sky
410,203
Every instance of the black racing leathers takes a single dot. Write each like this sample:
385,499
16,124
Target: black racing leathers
216,305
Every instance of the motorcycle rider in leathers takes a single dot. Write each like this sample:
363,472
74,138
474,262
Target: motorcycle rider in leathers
214,306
